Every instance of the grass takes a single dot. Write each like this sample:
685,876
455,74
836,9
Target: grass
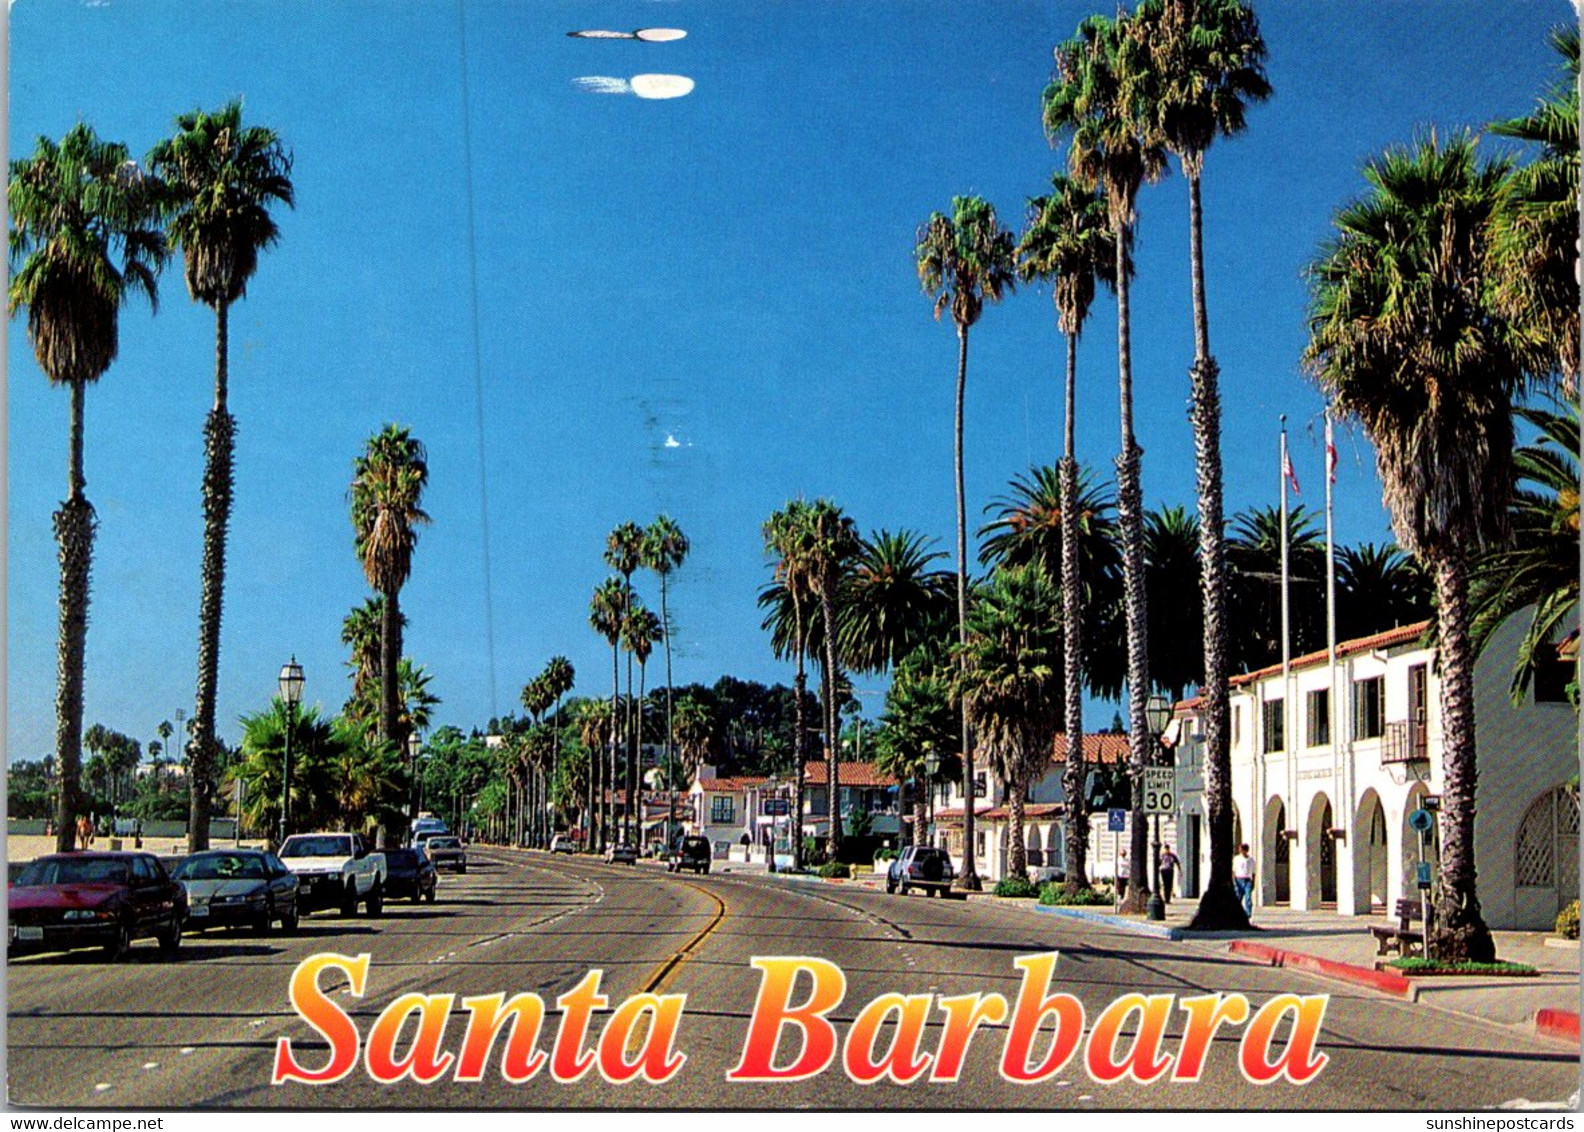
1415,965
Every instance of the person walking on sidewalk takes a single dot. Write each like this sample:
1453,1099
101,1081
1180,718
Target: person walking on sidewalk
1243,878
1168,873
1122,876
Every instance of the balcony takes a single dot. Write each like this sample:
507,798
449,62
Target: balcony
1405,741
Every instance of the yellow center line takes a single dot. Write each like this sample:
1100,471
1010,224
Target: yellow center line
662,976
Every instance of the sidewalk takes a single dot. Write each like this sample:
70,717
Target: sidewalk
21,848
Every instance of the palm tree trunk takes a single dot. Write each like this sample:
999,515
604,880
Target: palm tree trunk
800,691
390,655
1460,932
968,877
74,534
219,475
832,734
608,799
635,800
1074,773
665,630
921,788
1130,516
1017,852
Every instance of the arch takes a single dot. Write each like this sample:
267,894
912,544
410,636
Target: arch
1370,853
1034,847
1546,847
1320,866
1274,872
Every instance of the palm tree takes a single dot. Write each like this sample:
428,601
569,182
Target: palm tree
695,730
606,612
1536,231
964,260
596,733
1069,242
665,548
1010,686
786,535
832,544
1095,101
1172,577
1253,554
920,716
360,632
1378,587
640,633
891,600
1205,66
559,677
221,180
388,481
84,235
1403,337
1539,567
624,548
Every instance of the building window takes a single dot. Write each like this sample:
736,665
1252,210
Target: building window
1275,726
1318,724
1237,724
1369,715
1552,676
981,790
722,812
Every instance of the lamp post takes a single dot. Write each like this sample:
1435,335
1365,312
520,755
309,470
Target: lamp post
291,685
414,746
931,769
1157,713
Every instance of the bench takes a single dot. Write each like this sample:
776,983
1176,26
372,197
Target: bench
1402,939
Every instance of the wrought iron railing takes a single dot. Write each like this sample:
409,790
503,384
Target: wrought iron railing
1405,741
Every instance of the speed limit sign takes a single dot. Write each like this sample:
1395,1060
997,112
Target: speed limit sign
1160,789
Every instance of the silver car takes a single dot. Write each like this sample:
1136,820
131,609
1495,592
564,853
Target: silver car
446,853
238,888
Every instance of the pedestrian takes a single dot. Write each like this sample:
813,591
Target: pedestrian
1168,873
1122,876
85,831
1243,878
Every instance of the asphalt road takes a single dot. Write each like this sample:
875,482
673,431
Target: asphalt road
202,1031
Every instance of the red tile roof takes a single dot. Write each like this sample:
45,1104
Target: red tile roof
1098,747
1402,635
847,774
730,785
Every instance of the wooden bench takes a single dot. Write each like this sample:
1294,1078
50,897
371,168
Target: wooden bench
1402,939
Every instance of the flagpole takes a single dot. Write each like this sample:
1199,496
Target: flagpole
1344,778
1285,605
1289,716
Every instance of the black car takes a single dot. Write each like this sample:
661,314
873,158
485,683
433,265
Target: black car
238,888
690,852
410,873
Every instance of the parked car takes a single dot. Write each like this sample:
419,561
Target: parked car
621,853
232,887
563,843
427,827
920,866
107,900
691,852
447,853
410,873
337,870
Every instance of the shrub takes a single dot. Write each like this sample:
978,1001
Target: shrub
1057,894
1015,886
886,854
1418,965
837,869
1567,921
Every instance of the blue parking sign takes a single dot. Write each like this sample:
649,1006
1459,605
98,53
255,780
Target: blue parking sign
1116,820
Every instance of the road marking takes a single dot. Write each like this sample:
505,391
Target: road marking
102,1086
185,1050
658,981
151,1065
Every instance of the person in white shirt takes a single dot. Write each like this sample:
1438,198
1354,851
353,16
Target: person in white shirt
1243,878
1122,876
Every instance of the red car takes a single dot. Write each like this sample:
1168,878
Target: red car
106,900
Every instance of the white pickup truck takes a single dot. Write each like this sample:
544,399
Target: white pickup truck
335,870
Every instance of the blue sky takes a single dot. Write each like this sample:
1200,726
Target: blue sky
730,269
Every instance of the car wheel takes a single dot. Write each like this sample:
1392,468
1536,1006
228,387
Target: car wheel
890,887
349,901
289,921
417,895
375,904
117,948
430,896
461,868
170,939
704,870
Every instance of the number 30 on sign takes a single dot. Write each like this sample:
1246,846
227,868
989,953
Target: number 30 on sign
1160,789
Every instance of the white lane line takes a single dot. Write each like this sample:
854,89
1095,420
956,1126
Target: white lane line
186,1050
150,1065
102,1086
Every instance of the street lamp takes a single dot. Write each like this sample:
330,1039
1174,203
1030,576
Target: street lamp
1157,715
931,769
414,745
291,685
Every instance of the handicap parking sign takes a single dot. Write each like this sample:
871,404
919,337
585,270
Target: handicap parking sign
1116,820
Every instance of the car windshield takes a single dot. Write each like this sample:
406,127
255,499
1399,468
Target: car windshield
443,843
67,870
695,843
317,847
221,866
401,858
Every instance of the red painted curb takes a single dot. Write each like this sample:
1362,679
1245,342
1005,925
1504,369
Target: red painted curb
1562,1024
1387,982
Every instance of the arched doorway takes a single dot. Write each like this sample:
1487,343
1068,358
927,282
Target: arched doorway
1320,866
1277,854
1055,848
1547,849
1369,853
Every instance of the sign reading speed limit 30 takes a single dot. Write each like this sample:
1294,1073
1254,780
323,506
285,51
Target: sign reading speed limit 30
1160,789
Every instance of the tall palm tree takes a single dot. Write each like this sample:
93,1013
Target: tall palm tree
665,548
624,548
388,481
360,632
85,234
920,716
695,729
1536,231
607,610
1205,67
1404,338
595,731
1172,577
1539,568
559,677
640,633
1010,685
787,536
221,180
1069,242
891,600
832,544
964,261
1096,101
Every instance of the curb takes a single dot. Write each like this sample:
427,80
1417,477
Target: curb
1135,927
1387,982
1562,1024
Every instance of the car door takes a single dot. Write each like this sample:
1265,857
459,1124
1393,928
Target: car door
282,884
151,899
